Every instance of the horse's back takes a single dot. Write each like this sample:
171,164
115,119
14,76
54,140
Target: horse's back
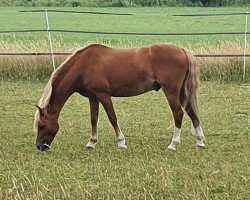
155,59
122,72
154,51
108,59
129,72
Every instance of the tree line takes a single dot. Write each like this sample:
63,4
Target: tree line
125,3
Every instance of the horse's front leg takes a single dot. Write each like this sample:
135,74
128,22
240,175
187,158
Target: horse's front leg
108,106
94,110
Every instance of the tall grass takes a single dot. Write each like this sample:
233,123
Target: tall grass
226,70
223,69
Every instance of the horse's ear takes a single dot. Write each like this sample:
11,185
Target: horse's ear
41,112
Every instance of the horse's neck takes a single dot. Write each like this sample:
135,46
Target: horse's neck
62,89
57,104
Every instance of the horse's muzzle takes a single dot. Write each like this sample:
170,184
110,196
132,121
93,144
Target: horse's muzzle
43,147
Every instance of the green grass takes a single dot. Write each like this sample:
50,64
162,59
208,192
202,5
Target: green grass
146,170
144,20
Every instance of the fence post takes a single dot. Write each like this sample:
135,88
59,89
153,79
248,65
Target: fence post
245,48
50,40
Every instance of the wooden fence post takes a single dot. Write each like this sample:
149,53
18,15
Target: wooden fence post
50,40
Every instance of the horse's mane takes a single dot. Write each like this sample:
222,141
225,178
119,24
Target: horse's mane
45,99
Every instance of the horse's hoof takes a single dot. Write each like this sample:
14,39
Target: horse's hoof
90,145
200,144
89,148
170,151
201,147
171,148
122,147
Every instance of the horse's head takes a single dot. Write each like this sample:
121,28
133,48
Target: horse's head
46,127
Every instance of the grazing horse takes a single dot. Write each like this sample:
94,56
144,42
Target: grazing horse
99,72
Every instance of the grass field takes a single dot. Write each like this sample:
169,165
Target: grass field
158,20
146,170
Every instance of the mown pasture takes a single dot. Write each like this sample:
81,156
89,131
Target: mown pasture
146,170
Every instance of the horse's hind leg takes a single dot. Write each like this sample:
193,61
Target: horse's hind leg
196,124
175,105
108,106
94,110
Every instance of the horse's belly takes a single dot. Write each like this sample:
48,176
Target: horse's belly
131,80
126,93
131,90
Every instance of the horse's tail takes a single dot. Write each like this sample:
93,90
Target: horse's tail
189,91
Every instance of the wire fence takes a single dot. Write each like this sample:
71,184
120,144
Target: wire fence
125,33
78,12
245,32
67,53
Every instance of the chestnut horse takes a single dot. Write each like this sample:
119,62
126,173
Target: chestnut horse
99,72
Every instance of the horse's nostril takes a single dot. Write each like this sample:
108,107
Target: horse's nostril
45,147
